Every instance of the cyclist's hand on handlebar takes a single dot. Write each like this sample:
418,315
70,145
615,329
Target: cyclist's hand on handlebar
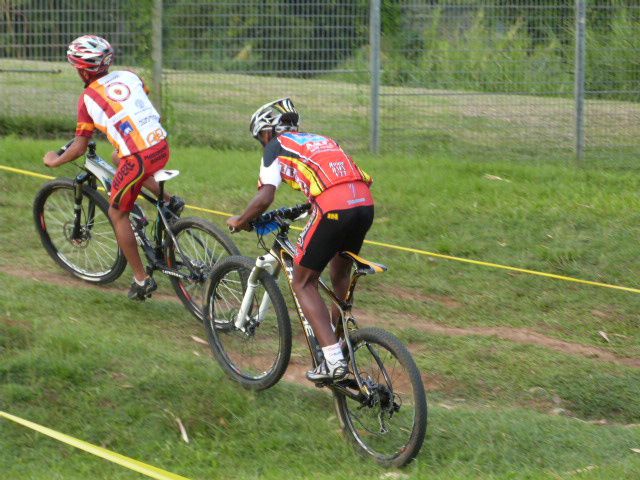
50,159
235,224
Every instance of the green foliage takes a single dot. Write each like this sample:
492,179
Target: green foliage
276,37
482,57
37,32
613,62
479,46
40,126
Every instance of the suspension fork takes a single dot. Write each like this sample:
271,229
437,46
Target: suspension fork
273,267
263,263
77,207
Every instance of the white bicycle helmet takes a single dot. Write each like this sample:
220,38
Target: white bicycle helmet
90,53
280,115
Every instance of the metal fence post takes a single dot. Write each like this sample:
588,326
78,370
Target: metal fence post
374,43
580,77
156,53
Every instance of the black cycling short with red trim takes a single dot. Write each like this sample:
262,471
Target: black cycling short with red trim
329,233
132,171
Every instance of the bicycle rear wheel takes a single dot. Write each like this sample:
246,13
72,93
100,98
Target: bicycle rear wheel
203,244
93,255
258,356
391,425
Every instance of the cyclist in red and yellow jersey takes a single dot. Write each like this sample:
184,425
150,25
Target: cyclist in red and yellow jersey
117,104
341,215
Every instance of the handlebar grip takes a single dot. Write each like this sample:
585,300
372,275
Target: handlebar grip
64,149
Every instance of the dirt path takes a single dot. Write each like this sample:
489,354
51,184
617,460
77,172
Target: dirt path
517,335
399,321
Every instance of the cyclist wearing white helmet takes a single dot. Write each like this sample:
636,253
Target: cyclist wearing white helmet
117,104
341,216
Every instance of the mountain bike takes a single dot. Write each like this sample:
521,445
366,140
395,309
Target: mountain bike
71,217
381,403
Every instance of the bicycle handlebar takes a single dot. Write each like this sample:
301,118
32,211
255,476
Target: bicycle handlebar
61,150
91,145
286,213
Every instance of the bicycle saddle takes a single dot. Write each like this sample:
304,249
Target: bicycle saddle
164,175
364,267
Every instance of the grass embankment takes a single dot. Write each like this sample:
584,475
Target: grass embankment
214,109
85,361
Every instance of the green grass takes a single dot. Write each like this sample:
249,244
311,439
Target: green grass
214,109
85,361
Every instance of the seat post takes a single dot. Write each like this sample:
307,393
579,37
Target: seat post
161,195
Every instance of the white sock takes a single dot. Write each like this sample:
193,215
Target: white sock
332,355
139,282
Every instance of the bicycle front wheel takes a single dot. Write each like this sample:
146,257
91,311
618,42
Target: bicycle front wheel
391,422
203,245
90,253
257,355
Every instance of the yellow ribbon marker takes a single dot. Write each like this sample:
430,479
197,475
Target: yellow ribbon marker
26,172
503,267
412,250
130,463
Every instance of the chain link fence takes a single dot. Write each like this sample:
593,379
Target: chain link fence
500,77
223,60
612,121
489,78
38,90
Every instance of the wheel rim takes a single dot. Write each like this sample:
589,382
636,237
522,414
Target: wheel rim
204,251
96,252
384,427
253,353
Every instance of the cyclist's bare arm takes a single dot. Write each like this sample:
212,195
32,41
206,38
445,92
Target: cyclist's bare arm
75,150
256,206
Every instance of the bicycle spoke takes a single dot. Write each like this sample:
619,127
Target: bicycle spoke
252,352
95,251
386,422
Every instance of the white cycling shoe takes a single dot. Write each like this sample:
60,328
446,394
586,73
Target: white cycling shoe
324,374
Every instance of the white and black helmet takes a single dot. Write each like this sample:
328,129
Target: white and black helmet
280,115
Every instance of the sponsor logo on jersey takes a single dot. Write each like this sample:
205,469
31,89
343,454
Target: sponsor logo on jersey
118,92
126,128
148,119
155,137
304,138
122,173
338,169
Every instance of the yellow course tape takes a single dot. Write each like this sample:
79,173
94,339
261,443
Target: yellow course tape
412,250
25,172
130,463
504,267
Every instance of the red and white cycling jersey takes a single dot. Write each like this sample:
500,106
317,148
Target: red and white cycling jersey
117,105
314,164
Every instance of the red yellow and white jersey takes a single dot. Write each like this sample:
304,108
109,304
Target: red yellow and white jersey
117,105
308,162
317,166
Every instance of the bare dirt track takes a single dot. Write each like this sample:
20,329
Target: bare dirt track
399,321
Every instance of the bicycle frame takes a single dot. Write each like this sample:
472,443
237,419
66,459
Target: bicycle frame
280,257
97,169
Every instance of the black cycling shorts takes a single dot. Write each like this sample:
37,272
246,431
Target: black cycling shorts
330,233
